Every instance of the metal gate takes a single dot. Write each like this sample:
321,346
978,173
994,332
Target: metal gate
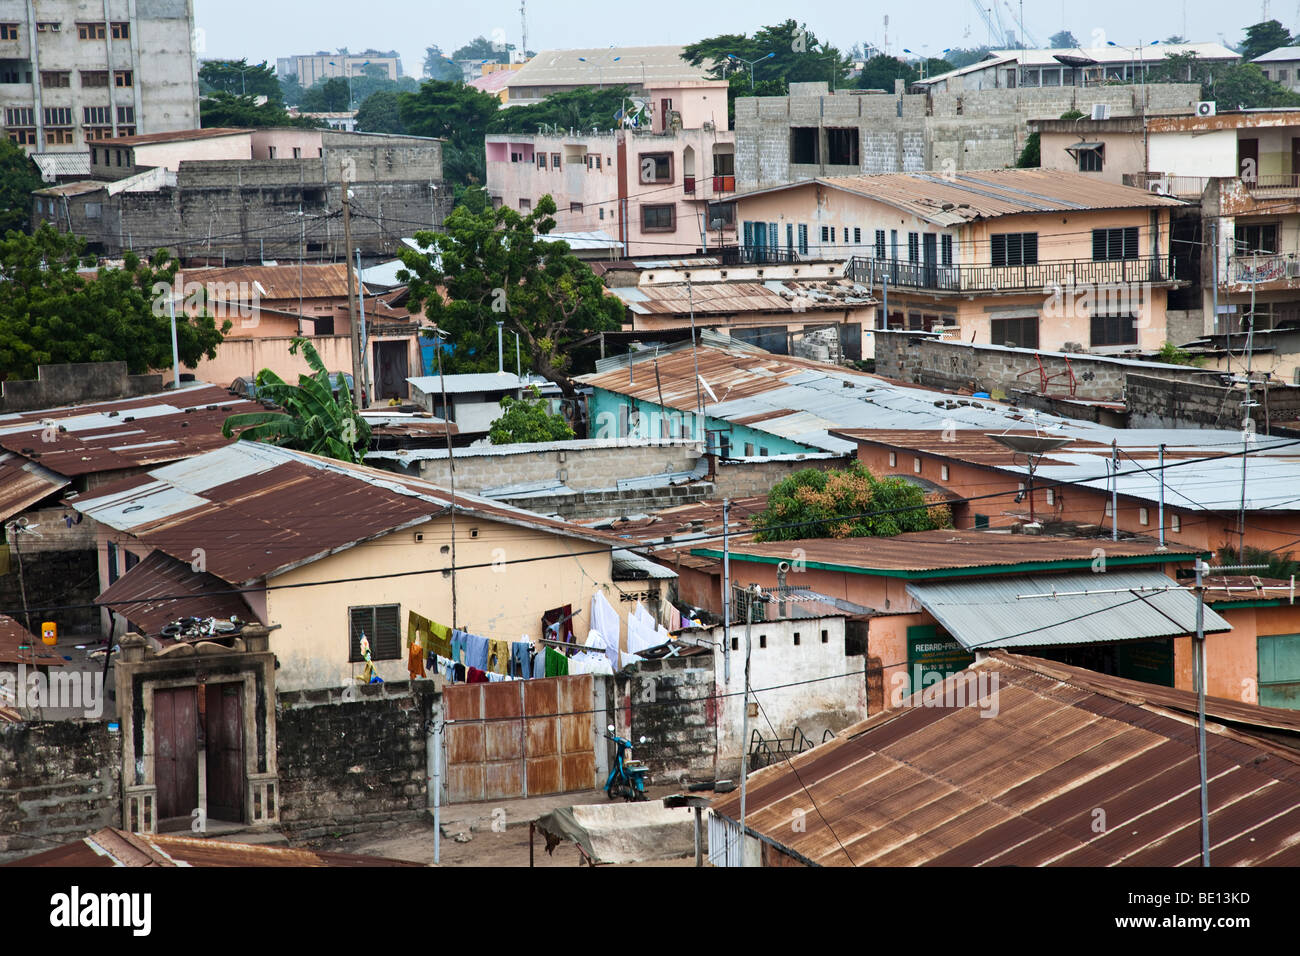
519,738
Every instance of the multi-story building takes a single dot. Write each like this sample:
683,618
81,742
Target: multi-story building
1020,257
73,71
1282,66
643,69
311,68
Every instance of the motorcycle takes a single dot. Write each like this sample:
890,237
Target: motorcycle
627,778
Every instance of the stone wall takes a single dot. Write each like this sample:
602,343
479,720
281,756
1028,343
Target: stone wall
612,504
57,385
671,703
922,360
352,767
59,780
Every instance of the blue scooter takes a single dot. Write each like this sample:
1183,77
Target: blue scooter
627,779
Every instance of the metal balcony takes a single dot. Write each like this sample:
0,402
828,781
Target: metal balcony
1037,277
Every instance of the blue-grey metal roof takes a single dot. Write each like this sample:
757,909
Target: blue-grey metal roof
628,562
994,612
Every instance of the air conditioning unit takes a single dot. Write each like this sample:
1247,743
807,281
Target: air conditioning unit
1160,187
1205,108
1101,111
1293,268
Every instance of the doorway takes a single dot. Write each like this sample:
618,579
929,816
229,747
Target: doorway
176,756
225,751
392,366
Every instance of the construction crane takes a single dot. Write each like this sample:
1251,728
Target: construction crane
1025,35
996,36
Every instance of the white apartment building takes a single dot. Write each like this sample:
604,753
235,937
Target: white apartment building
311,68
76,70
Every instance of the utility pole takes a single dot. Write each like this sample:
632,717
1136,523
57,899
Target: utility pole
1200,711
302,254
1162,496
352,300
744,727
726,590
1114,490
451,470
695,353
365,365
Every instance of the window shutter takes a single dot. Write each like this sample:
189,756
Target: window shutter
772,241
999,250
880,243
386,645
1131,242
946,250
1029,251
361,620
1098,245
749,233
789,236
803,238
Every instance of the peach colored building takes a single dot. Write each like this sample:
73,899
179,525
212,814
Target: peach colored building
1025,257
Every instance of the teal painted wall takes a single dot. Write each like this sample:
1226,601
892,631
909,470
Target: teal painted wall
605,412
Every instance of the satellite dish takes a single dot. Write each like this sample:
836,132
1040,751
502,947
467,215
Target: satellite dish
1030,444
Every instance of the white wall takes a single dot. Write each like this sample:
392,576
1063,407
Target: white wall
1193,154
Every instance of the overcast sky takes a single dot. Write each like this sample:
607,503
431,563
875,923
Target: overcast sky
265,30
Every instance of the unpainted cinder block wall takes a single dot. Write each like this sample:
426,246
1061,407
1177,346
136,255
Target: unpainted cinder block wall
750,479
671,703
353,767
1160,403
59,780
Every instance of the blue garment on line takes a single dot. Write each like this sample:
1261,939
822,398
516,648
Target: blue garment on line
476,651
458,646
521,659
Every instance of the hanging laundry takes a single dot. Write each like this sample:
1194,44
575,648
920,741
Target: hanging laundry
476,676
521,658
440,638
605,619
557,665
498,656
476,651
458,673
640,630
415,661
458,646
592,661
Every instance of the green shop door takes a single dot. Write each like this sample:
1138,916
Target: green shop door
1279,671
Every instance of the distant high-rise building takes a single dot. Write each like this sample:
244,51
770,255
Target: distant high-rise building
311,68
72,71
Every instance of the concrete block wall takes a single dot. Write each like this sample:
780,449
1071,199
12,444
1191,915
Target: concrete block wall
748,479
1162,403
612,504
671,703
57,385
54,533
54,579
353,767
59,781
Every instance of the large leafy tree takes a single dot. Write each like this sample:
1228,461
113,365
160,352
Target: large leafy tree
481,48
496,265
880,72
381,113
1262,38
459,115
1062,40
1241,85
237,78
332,95
851,503
313,418
50,313
438,66
18,178
291,89
223,109
581,108
527,420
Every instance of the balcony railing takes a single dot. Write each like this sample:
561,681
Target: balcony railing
756,255
1271,267
1182,187
724,184
1037,277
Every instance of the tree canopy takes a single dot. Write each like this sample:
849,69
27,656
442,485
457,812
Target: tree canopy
19,177
223,109
497,265
314,418
849,503
331,95
880,72
1263,38
481,48
51,314
1062,40
237,78
1241,85
527,420
381,113
438,66
456,113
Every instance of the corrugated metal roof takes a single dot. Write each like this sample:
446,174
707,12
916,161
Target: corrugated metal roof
111,847
69,190
939,786
629,565
23,483
260,510
635,64
54,165
19,646
725,298
946,550
131,433
319,281
177,136
993,613
525,448
472,382
135,595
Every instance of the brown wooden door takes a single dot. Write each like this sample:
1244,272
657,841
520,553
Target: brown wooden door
225,752
176,756
1295,161
1248,160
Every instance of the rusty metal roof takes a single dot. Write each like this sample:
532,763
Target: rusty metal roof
176,136
113,847
918,552
19,646
258,510
160,589
23,483
130,433
684,522
714,298
321,281
965,786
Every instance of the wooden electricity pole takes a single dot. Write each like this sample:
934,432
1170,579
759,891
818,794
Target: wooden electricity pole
352,299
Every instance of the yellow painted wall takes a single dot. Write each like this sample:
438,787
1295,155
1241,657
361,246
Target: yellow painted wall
506,602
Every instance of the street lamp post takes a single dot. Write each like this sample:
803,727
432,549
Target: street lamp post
750,64
600,69
925,58
1134,60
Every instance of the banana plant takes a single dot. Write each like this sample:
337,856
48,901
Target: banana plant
314,419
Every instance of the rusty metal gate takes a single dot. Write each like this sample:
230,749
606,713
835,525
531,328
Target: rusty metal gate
519,738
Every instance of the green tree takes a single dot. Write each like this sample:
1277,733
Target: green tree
51,314
1277,566
527,420
237,78
481,48
1237,86
314,419
1062,40
457,114
1263,38
1031,155
582,108
332,95
291,90
496,265
380,113
850,503
961,57
880,72
224,110
19,177
438,66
